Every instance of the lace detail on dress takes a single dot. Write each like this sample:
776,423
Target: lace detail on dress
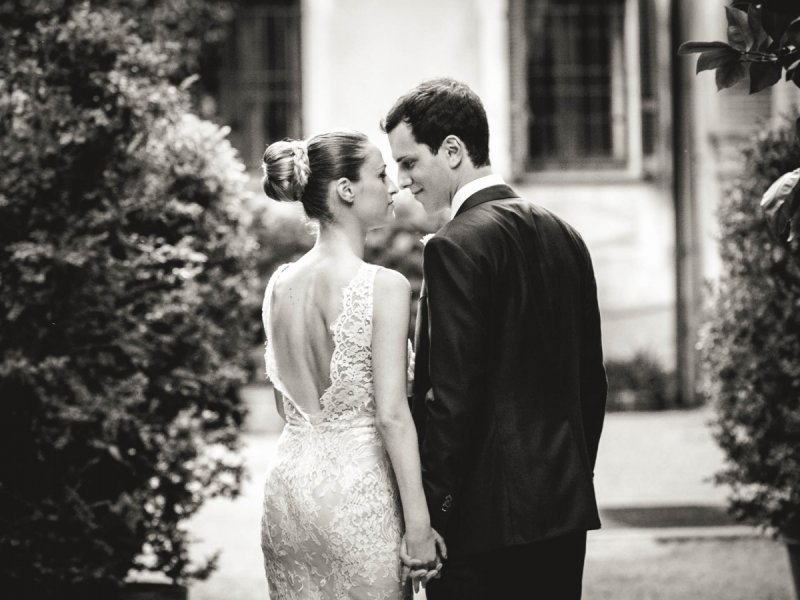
350,391
332,521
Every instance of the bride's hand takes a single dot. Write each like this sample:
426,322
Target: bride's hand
420,570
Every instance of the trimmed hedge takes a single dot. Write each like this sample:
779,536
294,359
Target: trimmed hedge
750,347
127,291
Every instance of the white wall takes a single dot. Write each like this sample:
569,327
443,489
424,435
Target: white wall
359,56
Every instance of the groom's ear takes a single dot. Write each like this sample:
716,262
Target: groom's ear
344,187
454,150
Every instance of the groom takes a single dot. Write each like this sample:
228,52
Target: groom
510,389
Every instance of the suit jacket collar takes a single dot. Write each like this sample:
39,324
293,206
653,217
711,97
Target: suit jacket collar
495,192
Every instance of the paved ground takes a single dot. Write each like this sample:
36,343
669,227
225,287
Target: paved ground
652,481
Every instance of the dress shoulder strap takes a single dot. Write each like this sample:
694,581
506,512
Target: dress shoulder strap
269,357
265,306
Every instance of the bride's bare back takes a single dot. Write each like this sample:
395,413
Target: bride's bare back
306,301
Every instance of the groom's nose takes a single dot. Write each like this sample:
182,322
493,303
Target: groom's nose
403,180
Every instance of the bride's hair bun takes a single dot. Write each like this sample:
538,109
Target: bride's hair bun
298,170
286,170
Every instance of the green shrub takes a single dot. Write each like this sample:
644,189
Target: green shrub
190,32
750,347
639,383
126,292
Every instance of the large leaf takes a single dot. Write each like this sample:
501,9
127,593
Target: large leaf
717,58
731,74
763,75
788,55
739,35
793,73
693,47
760,36
781,204
792,35
790,8
774,23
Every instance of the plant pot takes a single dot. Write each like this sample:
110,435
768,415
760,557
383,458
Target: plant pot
154,591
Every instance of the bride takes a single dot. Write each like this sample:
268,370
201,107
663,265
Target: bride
344,496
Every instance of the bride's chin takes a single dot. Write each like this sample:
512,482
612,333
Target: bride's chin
379,225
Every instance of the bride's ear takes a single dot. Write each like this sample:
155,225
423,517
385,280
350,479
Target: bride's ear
344,188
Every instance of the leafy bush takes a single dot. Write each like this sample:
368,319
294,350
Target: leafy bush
190,32
126,290
750,347
639,383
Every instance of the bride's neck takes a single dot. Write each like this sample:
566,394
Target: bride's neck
334,238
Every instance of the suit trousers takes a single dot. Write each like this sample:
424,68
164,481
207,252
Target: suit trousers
546,570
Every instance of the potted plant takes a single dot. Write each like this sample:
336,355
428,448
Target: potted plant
750,349
126,303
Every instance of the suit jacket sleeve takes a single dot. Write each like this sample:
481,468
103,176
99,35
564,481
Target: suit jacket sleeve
457,309
594,386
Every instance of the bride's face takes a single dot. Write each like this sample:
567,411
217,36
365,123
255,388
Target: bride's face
374,192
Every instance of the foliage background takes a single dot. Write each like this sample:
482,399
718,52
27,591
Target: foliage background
127,288
751,346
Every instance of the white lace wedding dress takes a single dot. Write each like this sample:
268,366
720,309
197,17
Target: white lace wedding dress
332,521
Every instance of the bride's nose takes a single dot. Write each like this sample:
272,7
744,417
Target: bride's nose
392,187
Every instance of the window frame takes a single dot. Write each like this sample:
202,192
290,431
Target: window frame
632,167
245,93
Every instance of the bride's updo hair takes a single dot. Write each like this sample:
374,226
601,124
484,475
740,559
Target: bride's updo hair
298,170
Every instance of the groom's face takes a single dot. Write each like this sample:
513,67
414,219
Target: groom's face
423,173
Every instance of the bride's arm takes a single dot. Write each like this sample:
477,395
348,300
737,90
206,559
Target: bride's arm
391,303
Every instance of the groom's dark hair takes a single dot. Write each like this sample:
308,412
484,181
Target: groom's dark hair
440,107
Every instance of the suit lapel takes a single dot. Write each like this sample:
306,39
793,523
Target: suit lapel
421,375
495,192
421,344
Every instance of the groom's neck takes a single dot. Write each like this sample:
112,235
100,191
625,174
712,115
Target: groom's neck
469,173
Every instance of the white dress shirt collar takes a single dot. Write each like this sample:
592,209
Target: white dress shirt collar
474,186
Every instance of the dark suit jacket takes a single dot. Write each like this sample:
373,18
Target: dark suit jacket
510,389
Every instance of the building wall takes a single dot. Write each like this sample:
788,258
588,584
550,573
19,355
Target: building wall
359,56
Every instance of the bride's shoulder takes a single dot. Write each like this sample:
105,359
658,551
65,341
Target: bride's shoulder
276,274
389,280
390,284
391,300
